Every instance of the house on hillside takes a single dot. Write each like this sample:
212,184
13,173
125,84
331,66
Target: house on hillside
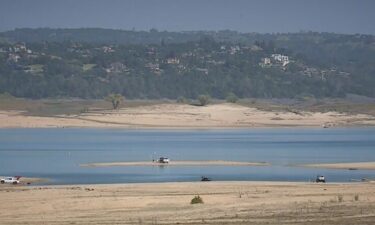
282,59
116,67
13,57
20,47
203,70
173,60
234,49
265,62
153,67
107,49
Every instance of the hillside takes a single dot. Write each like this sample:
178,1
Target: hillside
91,63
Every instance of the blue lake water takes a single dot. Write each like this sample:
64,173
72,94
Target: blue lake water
57,153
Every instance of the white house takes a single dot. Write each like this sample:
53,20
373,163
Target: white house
283,59
266,61
13,57
173,61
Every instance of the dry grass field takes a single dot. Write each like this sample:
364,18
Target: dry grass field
169,203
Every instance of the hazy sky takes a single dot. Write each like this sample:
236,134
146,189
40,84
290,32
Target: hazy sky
341,16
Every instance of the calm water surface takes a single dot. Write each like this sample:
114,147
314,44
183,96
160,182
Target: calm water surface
57,153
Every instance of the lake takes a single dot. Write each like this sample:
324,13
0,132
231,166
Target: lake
56,153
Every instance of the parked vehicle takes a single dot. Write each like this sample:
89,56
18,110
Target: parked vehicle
205,179
320,179
10,180
163,160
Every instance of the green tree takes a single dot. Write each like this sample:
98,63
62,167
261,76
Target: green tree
232,98
203,99
115,99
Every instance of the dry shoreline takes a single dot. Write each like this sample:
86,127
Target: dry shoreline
169,203
179,116
177,163
345,166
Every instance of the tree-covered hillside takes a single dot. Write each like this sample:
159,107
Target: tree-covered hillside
92,63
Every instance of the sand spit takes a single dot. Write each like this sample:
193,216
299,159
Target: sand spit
177,163
179,116
345,166
169,203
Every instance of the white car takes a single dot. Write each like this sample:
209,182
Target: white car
163,160
10,180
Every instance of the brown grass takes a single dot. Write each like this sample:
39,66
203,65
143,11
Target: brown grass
53,107
169,203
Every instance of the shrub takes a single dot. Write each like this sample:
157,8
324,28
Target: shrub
232,98
182,100
197,200
356,197
203,99
340,198
85,110
6,95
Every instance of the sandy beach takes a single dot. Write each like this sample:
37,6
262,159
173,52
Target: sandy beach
224,115
177,163
169,203
345,166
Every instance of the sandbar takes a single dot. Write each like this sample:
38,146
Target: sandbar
177,163
346,166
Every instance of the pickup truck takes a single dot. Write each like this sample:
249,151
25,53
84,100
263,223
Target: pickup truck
10,180
320,179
